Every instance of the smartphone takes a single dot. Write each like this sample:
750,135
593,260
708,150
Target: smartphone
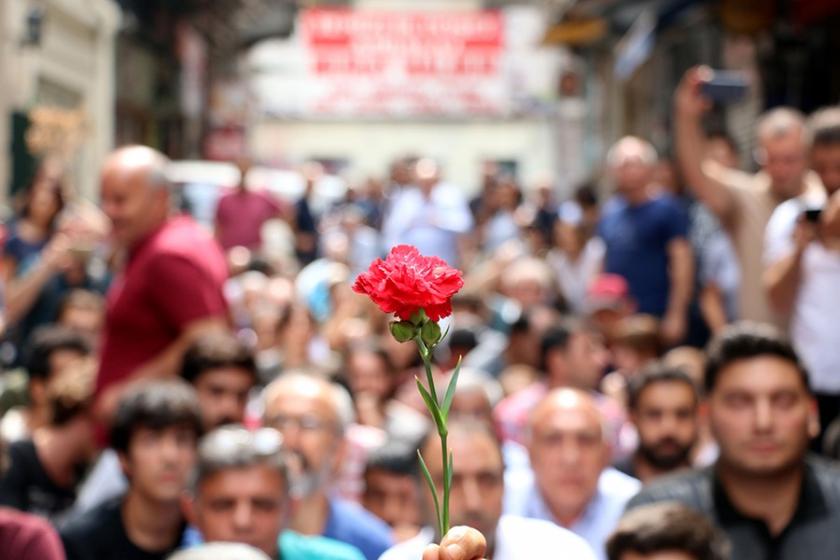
726,86
813,215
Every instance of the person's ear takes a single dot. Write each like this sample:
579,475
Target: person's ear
38,391
813,419
339,454
188,508
125,463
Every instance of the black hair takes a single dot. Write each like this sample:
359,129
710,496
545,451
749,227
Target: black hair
557,337
667,526
48,339
155,406
218,350
746,340
394,457
657,373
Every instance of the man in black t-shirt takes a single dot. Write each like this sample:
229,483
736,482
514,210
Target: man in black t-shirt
45,469
155,431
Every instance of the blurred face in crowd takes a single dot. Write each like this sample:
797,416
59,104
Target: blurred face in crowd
44,202
666,419
222,395
580,364
246,505
159,462
477,479
367,374
633,166
825,161
392,497
472,404
762,416
303,411
784,158
135,204
568,452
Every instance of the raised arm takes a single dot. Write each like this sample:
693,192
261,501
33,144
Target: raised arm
689,108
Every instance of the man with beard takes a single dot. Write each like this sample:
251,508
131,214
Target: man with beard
663,405
312,415
476,501
765,492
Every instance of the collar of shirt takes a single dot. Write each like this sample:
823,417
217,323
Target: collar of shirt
812,505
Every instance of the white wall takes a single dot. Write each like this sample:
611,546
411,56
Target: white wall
460,146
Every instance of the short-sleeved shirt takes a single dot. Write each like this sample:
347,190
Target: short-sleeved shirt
637,239
240,216
100,535
172,278
813,321
754,203
811,533
352,524
28,537
27,486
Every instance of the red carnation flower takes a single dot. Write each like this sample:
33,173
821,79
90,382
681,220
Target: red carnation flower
406,282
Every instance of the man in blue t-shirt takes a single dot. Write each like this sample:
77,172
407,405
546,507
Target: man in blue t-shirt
645,232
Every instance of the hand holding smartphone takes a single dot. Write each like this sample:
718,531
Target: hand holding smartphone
725,86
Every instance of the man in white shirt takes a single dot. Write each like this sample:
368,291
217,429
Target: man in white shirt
802,259
572,484
476,501
431,216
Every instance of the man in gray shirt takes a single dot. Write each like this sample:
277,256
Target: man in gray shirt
771,499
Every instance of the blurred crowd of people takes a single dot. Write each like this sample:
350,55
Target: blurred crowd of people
650,365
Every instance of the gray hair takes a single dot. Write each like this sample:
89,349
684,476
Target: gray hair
646,150
340,400
152,161
779,122
235,447
220,551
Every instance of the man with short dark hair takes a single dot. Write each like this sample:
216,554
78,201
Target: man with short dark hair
391,489
154,432
663,404
771,499
46,468
241,494
50,349
223,371
666,531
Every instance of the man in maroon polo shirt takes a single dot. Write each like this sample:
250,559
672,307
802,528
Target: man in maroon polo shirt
169,290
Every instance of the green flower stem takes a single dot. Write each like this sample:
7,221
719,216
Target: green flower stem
439,416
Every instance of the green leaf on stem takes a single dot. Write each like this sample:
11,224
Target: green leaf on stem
450,391
430,404
433,489
403,331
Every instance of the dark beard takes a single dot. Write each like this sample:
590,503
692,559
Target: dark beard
667,462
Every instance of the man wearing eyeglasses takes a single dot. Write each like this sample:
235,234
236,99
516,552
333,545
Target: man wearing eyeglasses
312,415
241,494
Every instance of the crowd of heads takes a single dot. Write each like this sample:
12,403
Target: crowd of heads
601,342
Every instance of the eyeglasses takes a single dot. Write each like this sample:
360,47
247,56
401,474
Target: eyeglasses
305,423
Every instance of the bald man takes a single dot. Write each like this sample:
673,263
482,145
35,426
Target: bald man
313,415
572,484
168,292
645,232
